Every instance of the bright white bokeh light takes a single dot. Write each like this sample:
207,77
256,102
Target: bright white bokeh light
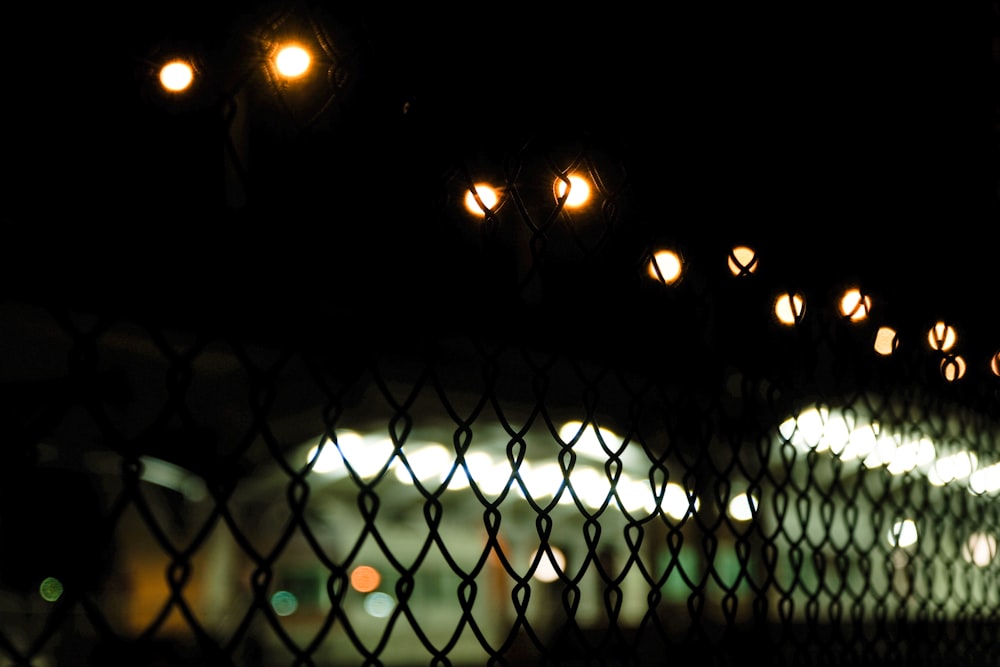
426,462
548,569
903,533
818,429
985,480
592,487
367,457
579,190
378,604
676,503
490,476
742,507
947,469
593,442
176,76
487,194
980,549
292,61
542,481
911,455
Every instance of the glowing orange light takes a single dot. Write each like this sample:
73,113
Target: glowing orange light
886,341
995,364
665,267
742,261
292,61
176,76
579,190
487,194
953,367
365,578
942,337
855,305
789,308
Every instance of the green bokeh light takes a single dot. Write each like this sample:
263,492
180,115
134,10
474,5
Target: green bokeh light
50,589
284,603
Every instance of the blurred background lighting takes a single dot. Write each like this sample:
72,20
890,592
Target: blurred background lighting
985,480
378,605
953,367
366,458
980,549
953,467
292,61
424,463
854,305
547,570
742,507
487,195
284,603
995,363
579,190
51,589
676,503
365,578
742,260
176,76
665,267
903,533
886,341
789,308
942,337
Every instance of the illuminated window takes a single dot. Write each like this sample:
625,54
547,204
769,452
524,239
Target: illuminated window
854,305
176,76
789,308
665,267
886,341
742,261
487,195
942,337
292,61
579,190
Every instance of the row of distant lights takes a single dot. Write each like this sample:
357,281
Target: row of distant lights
823,430
433,463
666,266
290,61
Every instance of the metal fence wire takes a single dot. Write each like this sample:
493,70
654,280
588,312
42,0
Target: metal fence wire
700,484
557,435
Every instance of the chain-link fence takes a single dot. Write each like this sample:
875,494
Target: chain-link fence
706,484
520,421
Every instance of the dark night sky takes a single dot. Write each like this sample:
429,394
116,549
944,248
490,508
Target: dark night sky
847,138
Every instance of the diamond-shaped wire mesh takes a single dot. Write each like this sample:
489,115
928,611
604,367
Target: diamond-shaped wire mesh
176,496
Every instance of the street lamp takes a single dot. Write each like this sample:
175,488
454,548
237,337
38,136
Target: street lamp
287,69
